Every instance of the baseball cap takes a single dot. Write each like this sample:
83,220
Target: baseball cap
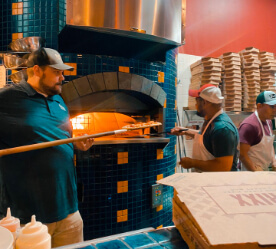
47,57
208,92
266,97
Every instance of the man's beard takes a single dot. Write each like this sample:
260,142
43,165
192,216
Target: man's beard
200,114
50,91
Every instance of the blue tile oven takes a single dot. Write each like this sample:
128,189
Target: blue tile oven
98,170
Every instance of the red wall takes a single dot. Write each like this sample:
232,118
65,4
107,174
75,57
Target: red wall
214,27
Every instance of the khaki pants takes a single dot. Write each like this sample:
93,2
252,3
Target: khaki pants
67,231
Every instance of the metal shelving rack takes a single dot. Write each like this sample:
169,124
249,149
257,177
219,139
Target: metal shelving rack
190,117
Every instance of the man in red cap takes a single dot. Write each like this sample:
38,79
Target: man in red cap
215,146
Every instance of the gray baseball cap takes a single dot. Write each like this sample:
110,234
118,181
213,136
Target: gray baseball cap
47,57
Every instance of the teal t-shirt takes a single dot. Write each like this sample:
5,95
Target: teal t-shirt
40,182
222,138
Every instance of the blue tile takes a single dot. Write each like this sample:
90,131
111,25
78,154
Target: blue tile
177,244
114,244
87,247
138,241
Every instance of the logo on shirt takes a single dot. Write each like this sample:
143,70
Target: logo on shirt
61,107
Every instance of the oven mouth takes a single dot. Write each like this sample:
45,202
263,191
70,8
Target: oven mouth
113,92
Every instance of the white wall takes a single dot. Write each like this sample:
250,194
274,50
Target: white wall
183,82
183,79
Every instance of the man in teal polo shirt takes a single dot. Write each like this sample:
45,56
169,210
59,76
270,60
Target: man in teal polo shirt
41,182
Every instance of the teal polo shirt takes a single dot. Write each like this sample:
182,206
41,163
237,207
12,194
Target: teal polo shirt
222,138
40,182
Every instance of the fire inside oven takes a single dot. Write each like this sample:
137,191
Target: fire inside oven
98,122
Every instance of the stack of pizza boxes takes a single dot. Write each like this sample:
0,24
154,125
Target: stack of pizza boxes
251,77
231,81
268,69
207,70
225,210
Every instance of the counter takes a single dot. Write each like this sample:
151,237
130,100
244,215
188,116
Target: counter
167,237
137,140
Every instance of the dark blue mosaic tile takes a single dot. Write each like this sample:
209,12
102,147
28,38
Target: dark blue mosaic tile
139,241
114,244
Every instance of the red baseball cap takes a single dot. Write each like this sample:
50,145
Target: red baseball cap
208,92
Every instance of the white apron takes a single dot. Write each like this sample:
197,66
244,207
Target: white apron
199,150
262,154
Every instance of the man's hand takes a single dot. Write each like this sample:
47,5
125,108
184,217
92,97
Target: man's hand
217,164
186,162
178,130
84,145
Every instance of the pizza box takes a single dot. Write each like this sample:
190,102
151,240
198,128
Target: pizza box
252,77
268,68
232,76
231,63
268,88
267,80
228,71
225,210
252,60
252,73
265,74
195,64
232,80
232,84
252,110
251,65
227,54
231,67
208,59
266,54
250,50
233,102
233,109
230,96
249,56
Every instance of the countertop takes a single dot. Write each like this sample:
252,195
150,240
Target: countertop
150,238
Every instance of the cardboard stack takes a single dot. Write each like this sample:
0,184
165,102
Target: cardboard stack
268,69
225,210
204,71
251,77
231,83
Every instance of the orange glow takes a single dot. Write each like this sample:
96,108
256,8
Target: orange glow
140,15
116,15
97,122
78,122
87,13
154,17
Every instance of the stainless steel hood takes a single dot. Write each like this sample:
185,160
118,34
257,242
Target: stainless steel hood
130,28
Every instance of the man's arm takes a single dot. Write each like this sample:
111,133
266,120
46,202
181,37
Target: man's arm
218,164
246,161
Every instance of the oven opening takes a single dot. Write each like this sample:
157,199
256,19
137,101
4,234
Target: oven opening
98,122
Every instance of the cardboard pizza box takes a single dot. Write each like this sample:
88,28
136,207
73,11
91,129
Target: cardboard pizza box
225,210
250,50
266,54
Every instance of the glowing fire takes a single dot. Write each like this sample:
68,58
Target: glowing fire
77,122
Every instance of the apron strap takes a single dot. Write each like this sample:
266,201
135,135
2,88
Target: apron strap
270,132
217,114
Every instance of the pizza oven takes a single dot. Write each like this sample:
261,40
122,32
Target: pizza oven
111,100
116,175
